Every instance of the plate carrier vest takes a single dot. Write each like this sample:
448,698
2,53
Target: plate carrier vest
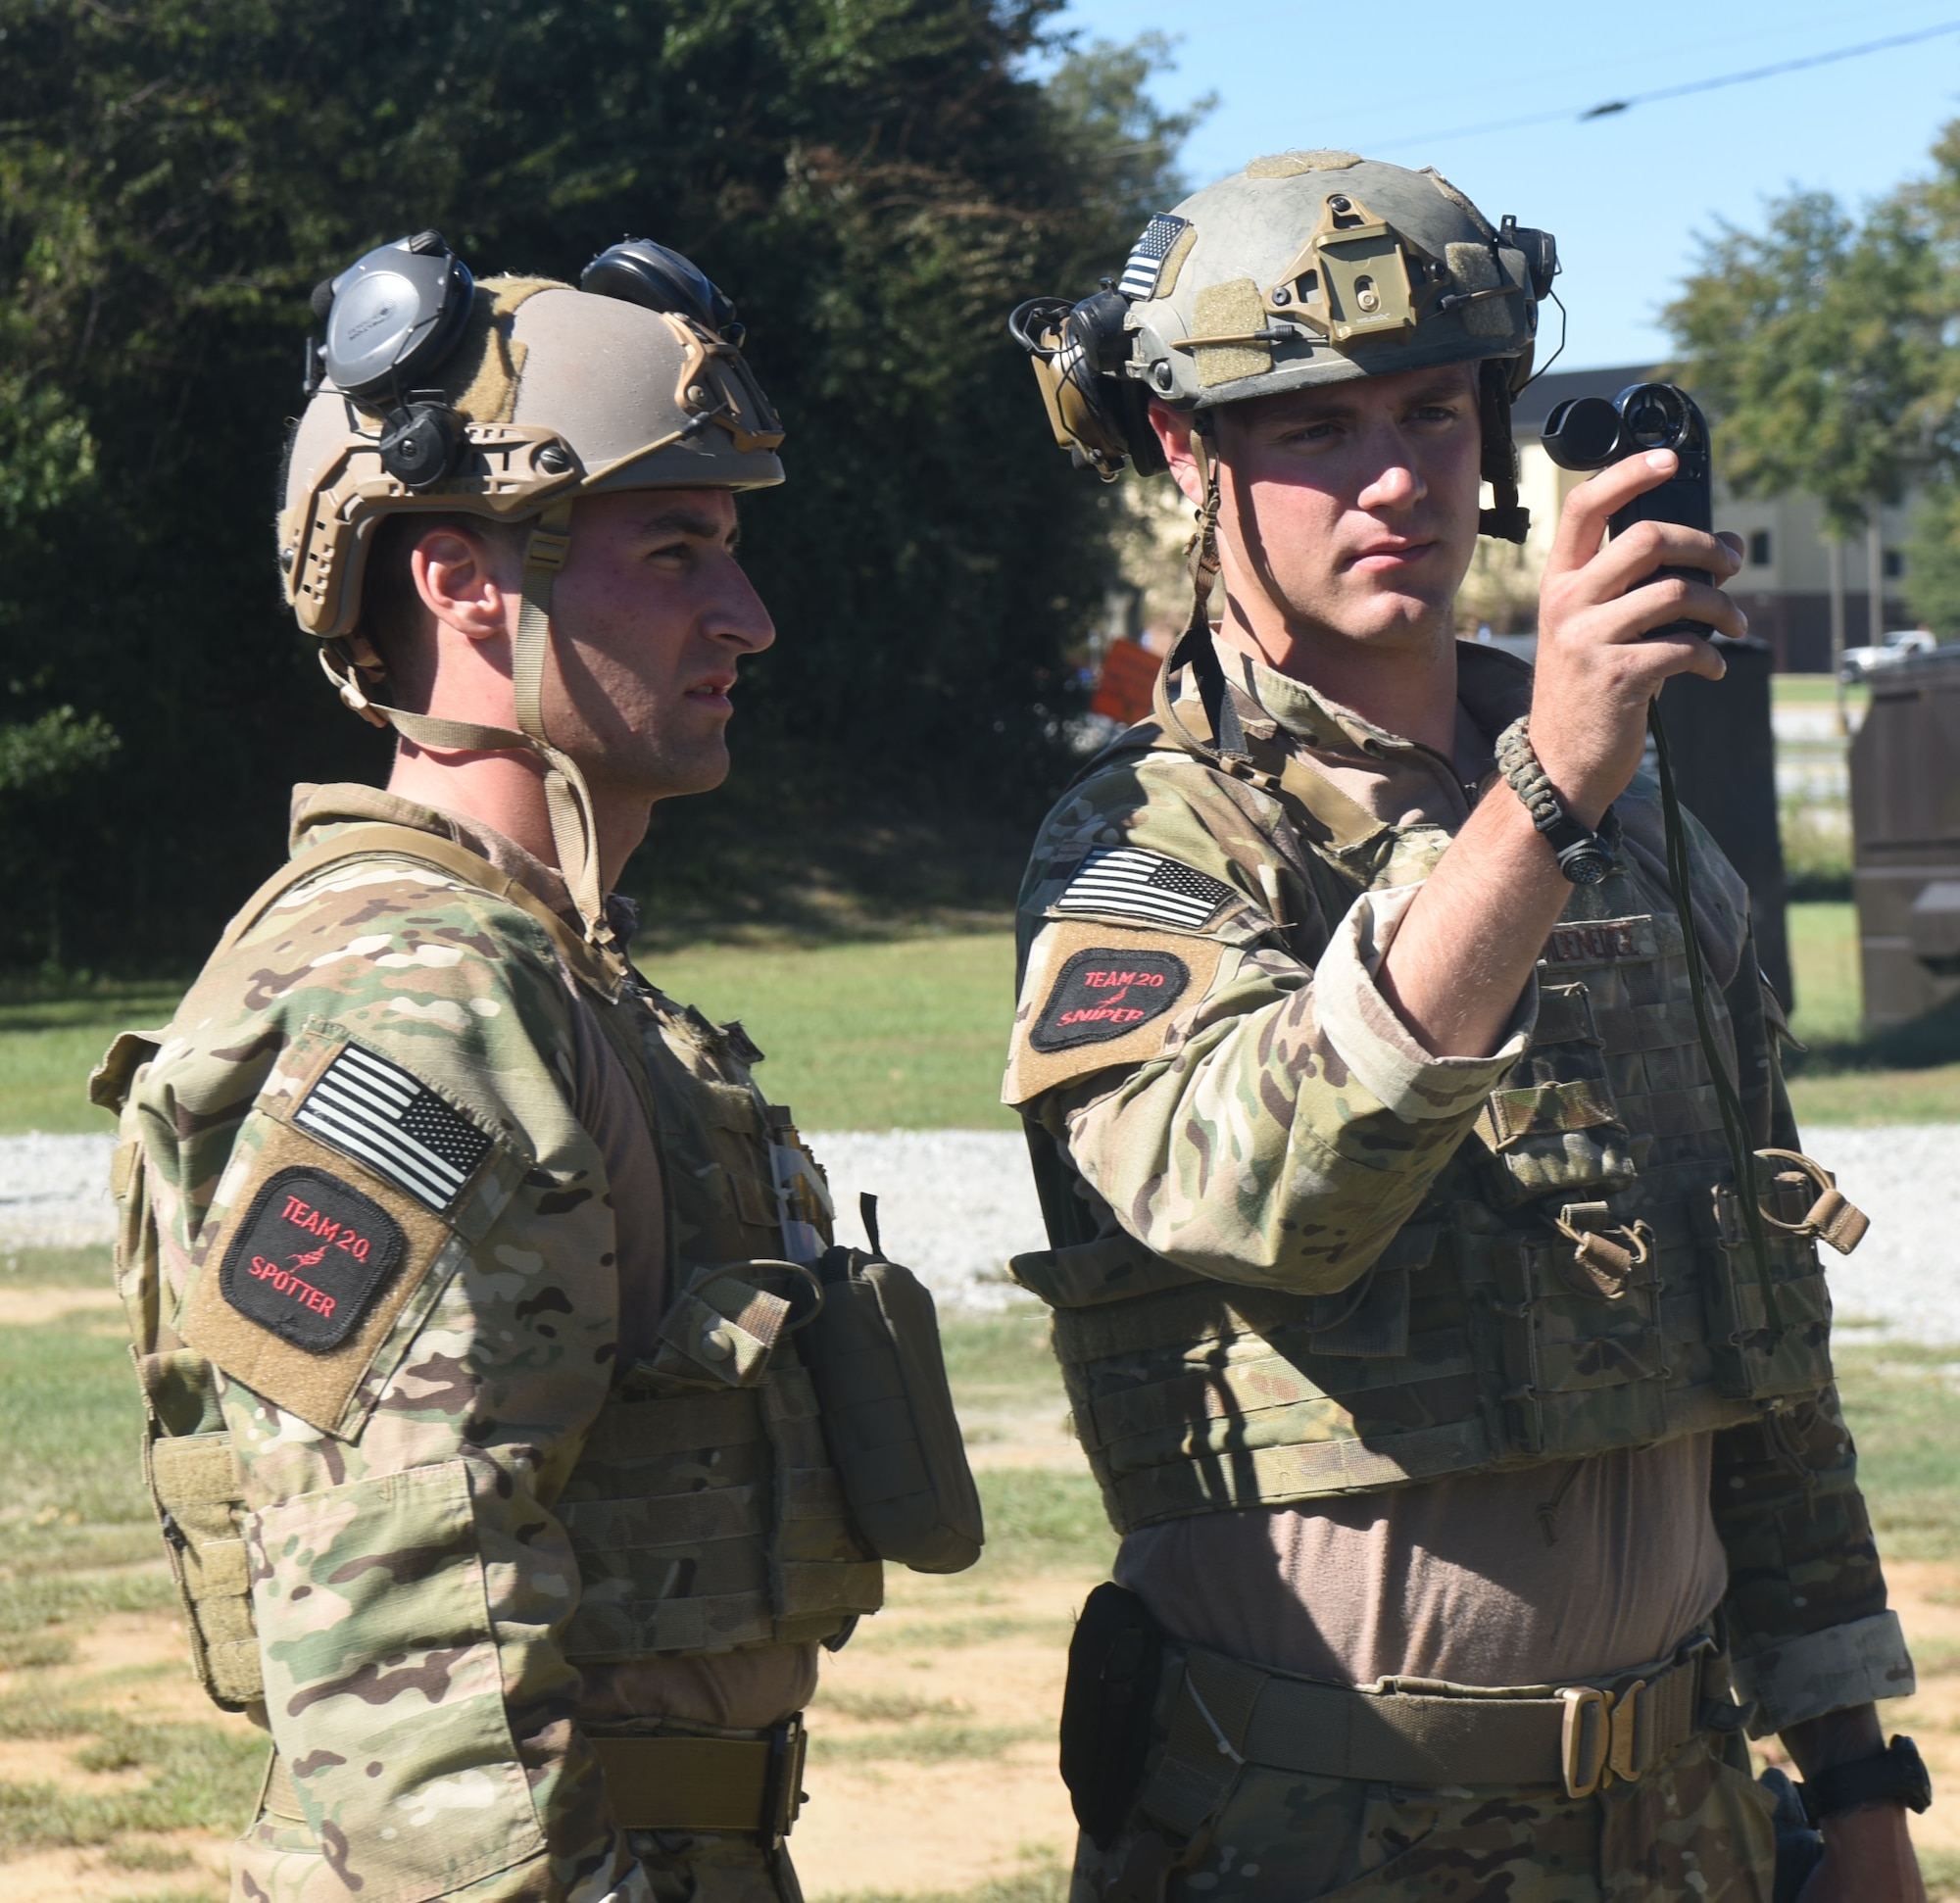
706,1516
1577,1280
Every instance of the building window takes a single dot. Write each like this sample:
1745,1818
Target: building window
1759,547
1894,564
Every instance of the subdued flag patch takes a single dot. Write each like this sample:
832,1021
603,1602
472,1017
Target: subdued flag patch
388,1118
1146,255
1126,882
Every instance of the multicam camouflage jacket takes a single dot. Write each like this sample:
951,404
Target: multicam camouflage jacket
1292,1254
372,1254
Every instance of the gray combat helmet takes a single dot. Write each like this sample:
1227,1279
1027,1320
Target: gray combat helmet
1307,268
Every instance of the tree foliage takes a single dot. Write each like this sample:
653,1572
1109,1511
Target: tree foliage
875,181
1817,345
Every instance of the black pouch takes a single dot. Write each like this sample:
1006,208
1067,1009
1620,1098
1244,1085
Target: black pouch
873,1355
1115,1661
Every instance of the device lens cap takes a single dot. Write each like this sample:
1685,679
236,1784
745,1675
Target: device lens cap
1582,433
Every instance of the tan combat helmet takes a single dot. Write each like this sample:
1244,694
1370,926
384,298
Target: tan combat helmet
509,399
1305,267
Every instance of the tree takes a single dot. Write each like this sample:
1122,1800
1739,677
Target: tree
1817,347
875,180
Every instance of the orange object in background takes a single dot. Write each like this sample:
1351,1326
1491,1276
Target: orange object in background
1129,674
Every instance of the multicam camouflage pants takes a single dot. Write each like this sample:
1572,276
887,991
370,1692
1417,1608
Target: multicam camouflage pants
1696,1828
714,1869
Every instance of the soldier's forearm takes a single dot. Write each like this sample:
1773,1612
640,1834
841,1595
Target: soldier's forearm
1837,1737
1469,941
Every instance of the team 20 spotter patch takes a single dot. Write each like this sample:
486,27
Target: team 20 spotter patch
310,1258
1108,994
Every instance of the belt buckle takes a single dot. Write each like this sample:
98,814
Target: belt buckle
1585,1738
1626,1757
782,1792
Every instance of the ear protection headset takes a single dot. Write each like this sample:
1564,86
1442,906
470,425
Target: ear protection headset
1098,414
396,313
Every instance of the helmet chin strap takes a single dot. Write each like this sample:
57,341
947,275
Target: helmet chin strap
1202,554
567,799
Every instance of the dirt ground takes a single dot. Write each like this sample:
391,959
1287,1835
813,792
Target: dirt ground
975,1676
933,1737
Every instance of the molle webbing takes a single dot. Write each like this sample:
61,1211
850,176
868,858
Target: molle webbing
1470,1342
706,1522
194,1481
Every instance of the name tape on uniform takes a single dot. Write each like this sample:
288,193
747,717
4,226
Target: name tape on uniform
310,1258
1103,993
388,1119
1127,882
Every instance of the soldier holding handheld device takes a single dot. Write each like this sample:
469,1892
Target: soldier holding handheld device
1433,1259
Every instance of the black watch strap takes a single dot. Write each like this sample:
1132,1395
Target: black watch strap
1897,1775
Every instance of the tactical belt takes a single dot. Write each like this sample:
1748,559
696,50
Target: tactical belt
1419,1731
752,1787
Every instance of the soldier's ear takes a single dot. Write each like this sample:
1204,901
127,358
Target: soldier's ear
462,583
1172,429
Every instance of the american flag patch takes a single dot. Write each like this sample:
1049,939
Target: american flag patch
376,1113
1146,255
1126,882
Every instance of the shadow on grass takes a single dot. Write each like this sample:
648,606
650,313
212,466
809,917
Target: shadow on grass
727,872
1925,1044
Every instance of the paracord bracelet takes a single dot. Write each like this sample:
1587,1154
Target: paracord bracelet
1585,856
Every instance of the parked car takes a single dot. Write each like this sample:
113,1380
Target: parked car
1895,648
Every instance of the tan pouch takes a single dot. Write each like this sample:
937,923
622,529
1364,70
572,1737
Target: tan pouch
873,1356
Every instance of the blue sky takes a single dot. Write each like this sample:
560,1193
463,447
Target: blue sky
1626,194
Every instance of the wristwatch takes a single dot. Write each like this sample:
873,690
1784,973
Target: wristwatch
1895,1775
1584,856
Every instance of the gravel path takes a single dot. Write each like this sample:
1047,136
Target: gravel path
956,1203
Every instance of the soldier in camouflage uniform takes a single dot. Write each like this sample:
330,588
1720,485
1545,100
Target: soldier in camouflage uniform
1480,1485
467,1271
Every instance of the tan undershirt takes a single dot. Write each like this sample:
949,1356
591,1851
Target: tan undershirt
1452,1579
742,1690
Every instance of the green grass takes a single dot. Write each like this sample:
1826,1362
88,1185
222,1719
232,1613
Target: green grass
50,1039
200,1778
908,1034
1815,690
51,1268
1903,1405
1908,1075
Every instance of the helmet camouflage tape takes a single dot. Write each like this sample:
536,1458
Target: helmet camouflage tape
1307,268
509,399
549,393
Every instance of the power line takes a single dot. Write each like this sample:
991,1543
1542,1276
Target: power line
1609,108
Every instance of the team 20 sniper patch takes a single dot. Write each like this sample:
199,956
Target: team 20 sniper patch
310,1258
1103,993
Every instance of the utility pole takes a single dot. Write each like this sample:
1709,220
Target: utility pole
1875,571
1833,549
